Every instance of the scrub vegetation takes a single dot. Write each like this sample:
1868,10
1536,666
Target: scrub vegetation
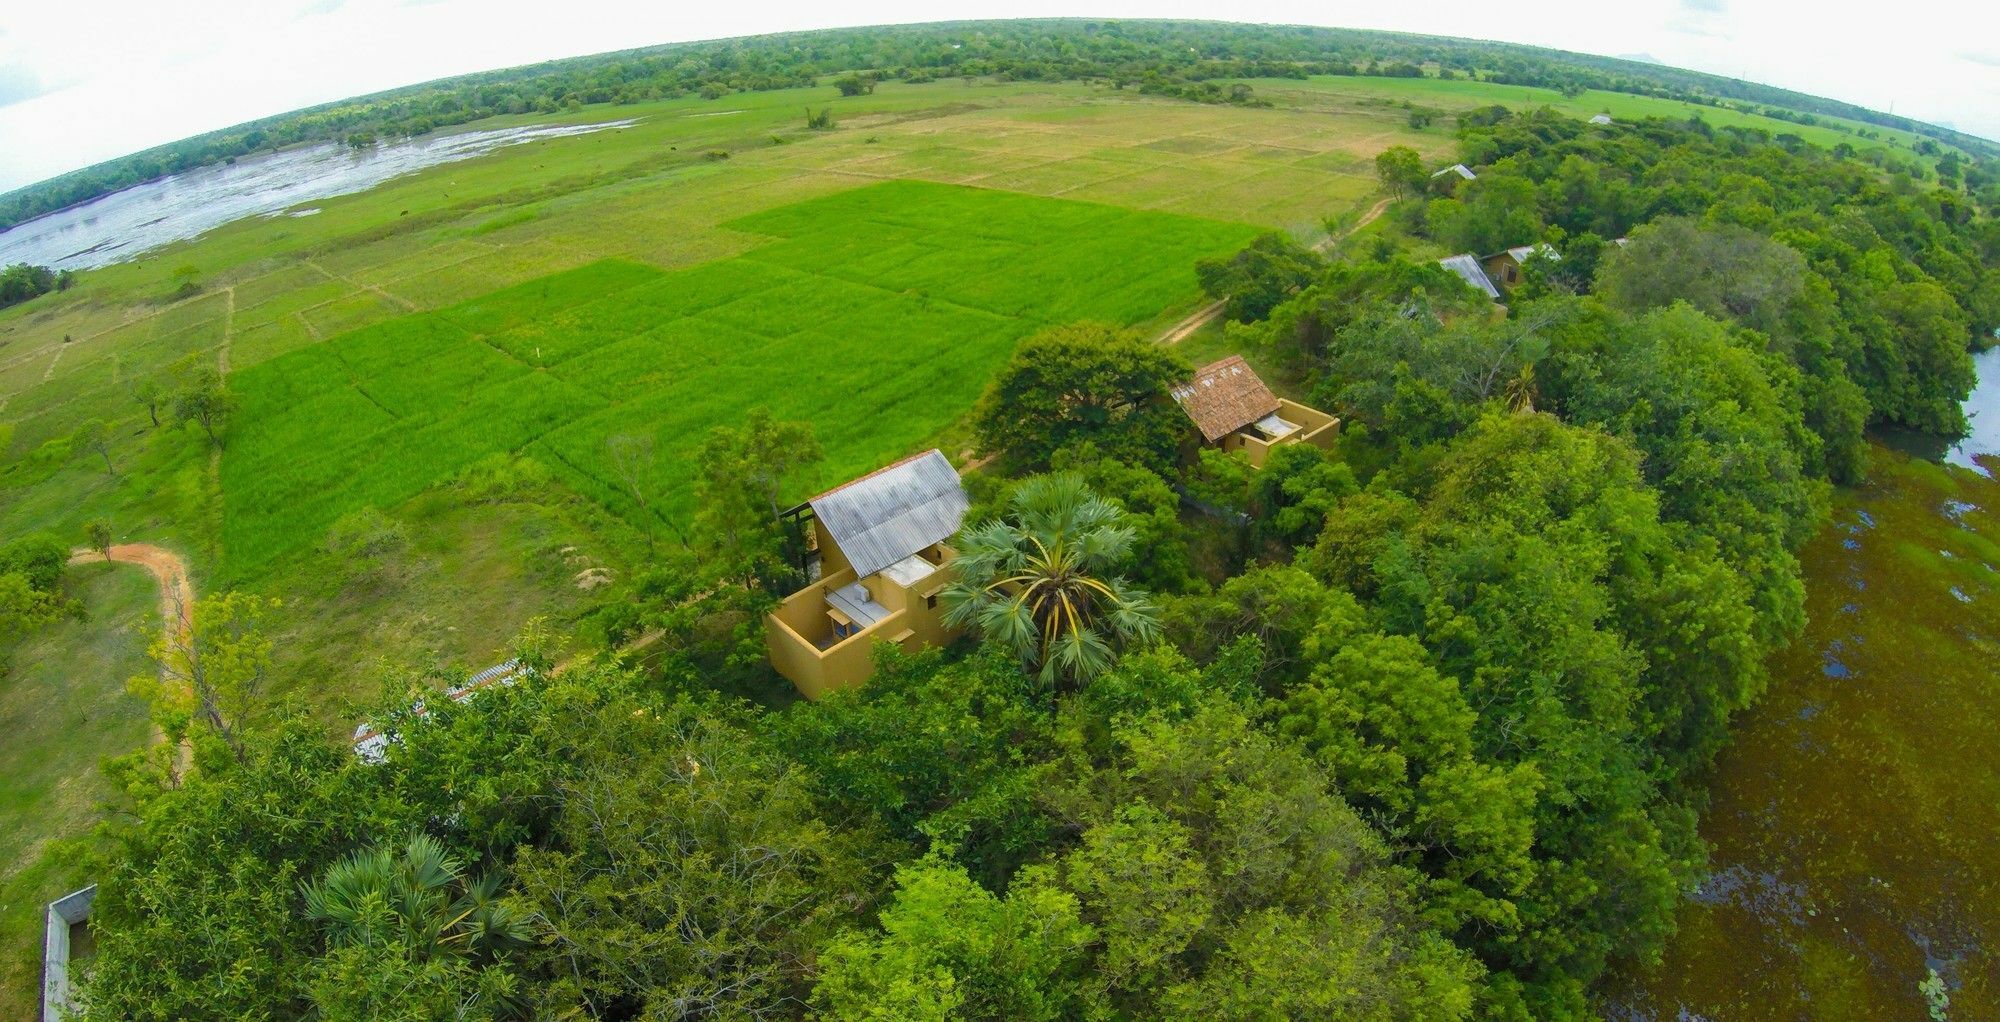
1417,728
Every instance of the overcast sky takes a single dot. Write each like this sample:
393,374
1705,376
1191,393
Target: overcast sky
84,82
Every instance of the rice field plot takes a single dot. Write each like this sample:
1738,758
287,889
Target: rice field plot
877,314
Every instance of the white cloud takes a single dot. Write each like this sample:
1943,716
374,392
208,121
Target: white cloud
95,81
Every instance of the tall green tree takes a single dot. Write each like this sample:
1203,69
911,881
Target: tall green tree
1401,171
948,950
1493,213
1256,279
1085,382
213,662
201,397
1223,879
745,473
92,438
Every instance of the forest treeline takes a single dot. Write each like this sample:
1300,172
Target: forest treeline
1183,59
1411,729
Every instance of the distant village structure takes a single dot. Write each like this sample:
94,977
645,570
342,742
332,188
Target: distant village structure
1504,268
1500,272
1235,411
1468,268
1448,180
882,560
1601,119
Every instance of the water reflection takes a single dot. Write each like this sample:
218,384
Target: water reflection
124,224
1982,412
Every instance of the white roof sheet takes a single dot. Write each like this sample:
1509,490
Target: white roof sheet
1275,426
910,570
894,512
1468,269
1521,253
1460,169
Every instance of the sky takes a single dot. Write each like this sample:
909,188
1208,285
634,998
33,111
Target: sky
84,83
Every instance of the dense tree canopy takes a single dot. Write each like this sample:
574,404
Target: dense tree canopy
1085,383
1412,728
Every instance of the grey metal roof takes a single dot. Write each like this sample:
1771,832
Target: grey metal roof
1601,119
1522,253
893,512
1460,169
1468,269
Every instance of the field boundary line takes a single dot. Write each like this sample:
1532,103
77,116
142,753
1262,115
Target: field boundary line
228,334
33,353
404,303
50,373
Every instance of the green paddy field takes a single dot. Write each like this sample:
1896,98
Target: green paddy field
455,347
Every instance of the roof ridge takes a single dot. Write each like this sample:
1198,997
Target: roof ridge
877,472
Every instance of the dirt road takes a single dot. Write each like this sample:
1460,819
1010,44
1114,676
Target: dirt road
1207,314
168,570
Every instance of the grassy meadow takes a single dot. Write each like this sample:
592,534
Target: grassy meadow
682,188
454,346
877,315
63,708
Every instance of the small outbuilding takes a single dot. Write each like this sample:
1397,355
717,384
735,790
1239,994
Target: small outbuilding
882,556
1601,119
1467,267
1448,180
64,939
1235,411
1504,268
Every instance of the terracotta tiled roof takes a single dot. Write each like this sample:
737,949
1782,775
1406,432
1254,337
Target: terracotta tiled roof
1224,397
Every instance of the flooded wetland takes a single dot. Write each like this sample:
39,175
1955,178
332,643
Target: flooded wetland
1856,815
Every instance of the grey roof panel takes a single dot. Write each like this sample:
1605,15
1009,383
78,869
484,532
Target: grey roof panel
894,512
1469,270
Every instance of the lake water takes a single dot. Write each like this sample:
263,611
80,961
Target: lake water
128,223
1983,409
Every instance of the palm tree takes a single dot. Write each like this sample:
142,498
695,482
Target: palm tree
1035,581
419,899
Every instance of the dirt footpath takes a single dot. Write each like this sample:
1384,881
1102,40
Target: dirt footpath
1207,314
168,570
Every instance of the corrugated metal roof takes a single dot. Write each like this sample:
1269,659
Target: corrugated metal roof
1468,269
893,512
1460,169
1601,119
1521,253
1224,397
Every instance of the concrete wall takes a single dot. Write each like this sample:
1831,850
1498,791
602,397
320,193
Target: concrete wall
63,913
1315,427
1503,271
793,631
